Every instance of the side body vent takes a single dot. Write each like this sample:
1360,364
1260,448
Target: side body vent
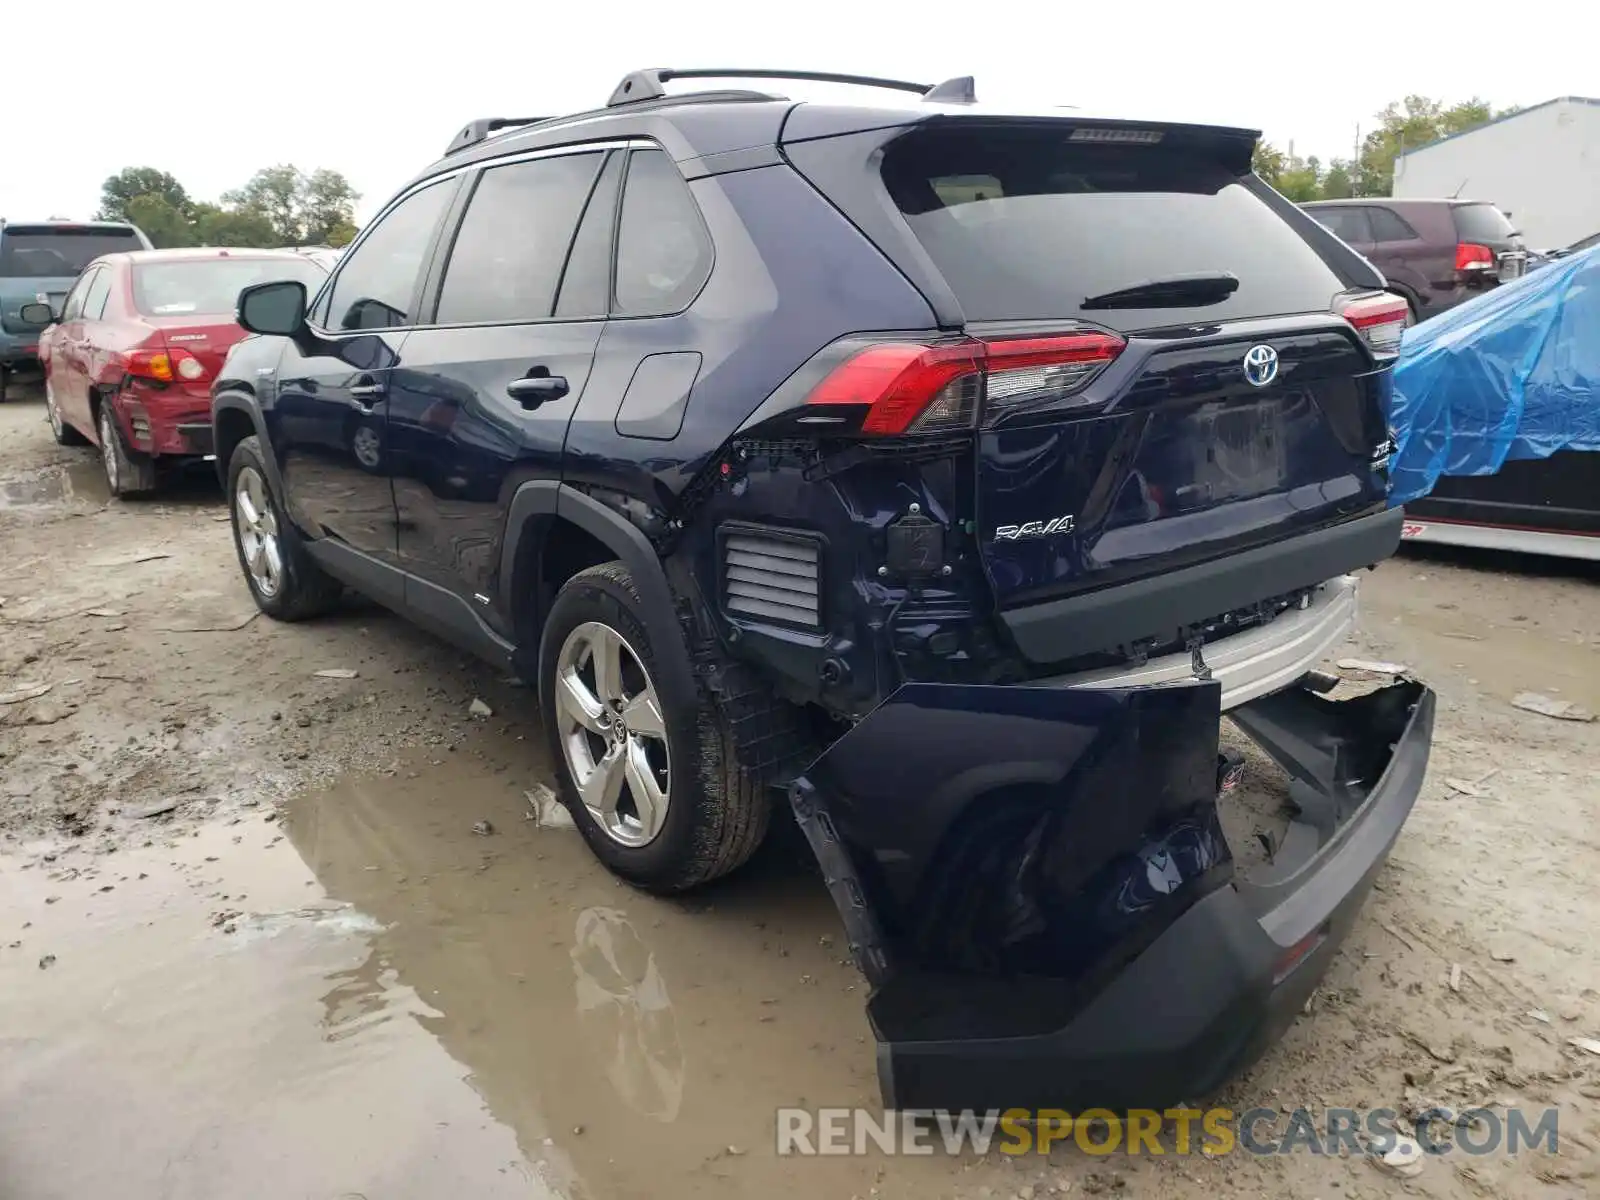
771,575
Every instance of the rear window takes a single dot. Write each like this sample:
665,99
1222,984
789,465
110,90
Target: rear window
212,285
1027,225
47,252
1481,223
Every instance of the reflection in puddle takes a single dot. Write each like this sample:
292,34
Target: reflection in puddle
624,1003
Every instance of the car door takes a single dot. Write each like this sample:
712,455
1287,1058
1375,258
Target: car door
482,399
92,349
69,380
327,411
1398,250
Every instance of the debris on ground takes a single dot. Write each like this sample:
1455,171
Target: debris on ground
479,709
1546,706
1455,977
1371,667
158,808
336,673
48,961
483,829
546,810
1467,788
27,691
1591,1045
1404,1161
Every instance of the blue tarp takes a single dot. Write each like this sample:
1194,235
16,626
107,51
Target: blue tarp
1514,373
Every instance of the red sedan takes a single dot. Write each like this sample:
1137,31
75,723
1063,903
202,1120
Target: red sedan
131,357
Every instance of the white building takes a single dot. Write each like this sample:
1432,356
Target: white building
1541,166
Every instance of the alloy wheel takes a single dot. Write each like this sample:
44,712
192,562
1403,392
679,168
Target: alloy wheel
612,733
256,526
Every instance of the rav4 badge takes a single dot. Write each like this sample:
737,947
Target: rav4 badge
1033,529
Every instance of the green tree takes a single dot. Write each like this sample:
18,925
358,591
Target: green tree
214,226
1338,184
327,205
163,224
1408,125
121,189
342,234
274,194
1267,161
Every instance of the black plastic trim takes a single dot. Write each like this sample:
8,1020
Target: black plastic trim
1161,605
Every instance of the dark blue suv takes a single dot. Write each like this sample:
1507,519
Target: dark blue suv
940,473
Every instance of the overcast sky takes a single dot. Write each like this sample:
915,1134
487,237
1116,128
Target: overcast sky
210,92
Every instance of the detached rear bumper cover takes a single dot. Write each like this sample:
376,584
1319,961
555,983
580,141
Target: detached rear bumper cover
1036,883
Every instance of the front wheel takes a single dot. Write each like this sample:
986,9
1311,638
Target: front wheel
64,434
654,782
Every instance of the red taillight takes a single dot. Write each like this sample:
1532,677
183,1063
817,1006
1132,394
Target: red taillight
165,365
911,387
150,364
1471,256
1380,319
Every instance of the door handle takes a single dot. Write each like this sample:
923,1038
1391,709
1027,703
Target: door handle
366,393
533,390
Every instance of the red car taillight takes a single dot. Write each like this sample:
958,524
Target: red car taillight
914,387
1381,320
1472,257
164,365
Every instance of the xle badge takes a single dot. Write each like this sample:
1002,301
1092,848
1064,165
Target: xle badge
1033,529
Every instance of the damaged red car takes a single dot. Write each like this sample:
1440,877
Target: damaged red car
130,357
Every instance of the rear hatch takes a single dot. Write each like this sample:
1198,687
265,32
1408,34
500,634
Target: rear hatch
1122,434
39,263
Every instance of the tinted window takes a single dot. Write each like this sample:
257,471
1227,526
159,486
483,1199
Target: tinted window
1388,226
46,252
72,307
94,299
212,286
513,242
586,283
1347,224
663,251
376,279
1025,225
1481,223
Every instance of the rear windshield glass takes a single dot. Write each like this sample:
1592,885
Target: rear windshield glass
1482,222
212,286
1028,225
58,253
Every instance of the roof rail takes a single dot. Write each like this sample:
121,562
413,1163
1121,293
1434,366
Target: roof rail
480,129
638,86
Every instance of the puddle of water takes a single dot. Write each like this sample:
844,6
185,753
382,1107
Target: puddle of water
74,485
650,1040
159,1055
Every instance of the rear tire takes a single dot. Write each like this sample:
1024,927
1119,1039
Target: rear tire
64,434
128,476
715,808
285,582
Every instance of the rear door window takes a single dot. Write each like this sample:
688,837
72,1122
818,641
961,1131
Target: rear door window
55,251
1389,226
663,250
1349,225
94,299
377,279
1026,224
513,242
586,283
72,307
1482,223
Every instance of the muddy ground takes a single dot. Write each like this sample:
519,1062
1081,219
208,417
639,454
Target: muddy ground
307,975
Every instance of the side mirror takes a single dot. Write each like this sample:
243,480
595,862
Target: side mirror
277,309
39,314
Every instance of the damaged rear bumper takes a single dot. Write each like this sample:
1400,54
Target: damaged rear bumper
1036,883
